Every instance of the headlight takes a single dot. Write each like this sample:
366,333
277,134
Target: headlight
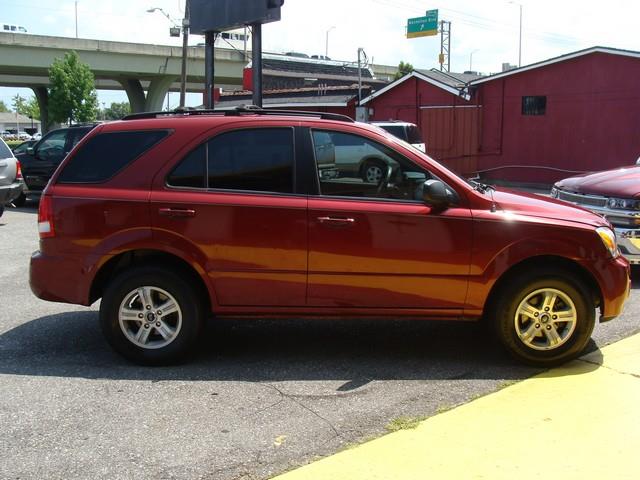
623,203
609,240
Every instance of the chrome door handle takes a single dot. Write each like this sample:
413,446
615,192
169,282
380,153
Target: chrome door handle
337,220
177,212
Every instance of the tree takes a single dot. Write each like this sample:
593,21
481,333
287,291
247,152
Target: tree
116,111
27,107
19,103
32,109
72,95
3,107
403,69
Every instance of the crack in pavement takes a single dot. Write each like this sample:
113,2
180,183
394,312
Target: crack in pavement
635,375
295,400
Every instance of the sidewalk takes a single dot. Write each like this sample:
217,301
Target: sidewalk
580,421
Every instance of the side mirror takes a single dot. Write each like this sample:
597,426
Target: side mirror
435,194
31,151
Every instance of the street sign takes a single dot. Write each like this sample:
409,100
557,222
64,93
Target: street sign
423,26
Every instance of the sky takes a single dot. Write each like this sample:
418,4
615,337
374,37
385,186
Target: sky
484,34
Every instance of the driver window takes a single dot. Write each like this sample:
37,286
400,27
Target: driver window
52,147
354,166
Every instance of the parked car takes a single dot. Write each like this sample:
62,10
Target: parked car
614,194
22,148
406,131
172,218
41,160
10,176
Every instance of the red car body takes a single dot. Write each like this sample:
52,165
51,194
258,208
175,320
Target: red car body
305,254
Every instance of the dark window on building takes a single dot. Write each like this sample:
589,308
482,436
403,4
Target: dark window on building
255,160
106,154
534,105
190,172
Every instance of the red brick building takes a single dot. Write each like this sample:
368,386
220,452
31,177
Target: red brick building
574,113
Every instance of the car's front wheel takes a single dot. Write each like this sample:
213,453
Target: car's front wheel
151,316
544,317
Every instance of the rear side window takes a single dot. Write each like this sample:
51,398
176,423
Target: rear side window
259,160
5,152
106,154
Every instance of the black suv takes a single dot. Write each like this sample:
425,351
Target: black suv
40,161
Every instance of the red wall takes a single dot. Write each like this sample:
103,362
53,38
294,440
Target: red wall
592,120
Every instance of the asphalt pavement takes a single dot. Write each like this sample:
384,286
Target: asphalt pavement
260,398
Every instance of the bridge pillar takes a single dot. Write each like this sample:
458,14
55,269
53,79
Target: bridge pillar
158,89
135,94
42,96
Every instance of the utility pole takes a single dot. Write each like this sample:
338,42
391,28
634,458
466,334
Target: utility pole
76,18
209,38
185,45
512,2
520,41
360,52
256,63
445,46
326,43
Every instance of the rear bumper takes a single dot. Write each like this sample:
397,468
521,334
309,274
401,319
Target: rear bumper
9,193
615,285
59,279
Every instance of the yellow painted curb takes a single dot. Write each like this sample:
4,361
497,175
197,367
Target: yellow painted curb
580,421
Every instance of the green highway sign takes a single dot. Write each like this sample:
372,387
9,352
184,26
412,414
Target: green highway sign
423,26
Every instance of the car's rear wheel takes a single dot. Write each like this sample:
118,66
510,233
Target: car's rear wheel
544,317
151,316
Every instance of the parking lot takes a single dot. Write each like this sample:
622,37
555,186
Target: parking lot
260,397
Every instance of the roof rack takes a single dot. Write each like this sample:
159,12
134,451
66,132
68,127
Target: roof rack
238,111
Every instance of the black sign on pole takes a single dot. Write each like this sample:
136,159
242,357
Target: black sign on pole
209,16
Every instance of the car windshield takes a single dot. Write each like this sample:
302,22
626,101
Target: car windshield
397,130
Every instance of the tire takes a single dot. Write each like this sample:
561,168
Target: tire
537,336
373,171
158,338
1,210
20,201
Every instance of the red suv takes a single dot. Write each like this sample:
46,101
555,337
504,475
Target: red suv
171,217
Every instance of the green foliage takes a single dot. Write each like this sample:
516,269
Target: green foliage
72,95
27,107
3,107
32,108
18,102
403,69
116,111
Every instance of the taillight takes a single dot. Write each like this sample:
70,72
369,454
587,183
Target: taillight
45,217
18,170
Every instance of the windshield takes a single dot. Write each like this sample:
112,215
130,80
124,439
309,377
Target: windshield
397,130
414,135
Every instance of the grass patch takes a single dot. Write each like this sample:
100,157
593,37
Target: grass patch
404,423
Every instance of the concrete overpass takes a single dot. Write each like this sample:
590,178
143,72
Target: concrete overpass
145,72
